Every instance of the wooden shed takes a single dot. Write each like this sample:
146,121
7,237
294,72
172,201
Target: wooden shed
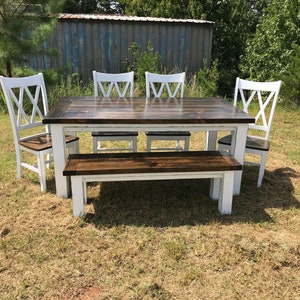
102,42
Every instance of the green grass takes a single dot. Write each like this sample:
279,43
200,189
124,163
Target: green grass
154,240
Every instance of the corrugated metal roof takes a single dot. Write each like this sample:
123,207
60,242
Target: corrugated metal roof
128,18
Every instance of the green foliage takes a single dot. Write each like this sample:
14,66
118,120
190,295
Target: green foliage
67,86
23,27
235,22
142,61
291,80
3,107
84,7
207,81
92,6
204,84
268,54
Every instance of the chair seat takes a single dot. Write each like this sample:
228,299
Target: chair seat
43,141
168,133
251,143
114,133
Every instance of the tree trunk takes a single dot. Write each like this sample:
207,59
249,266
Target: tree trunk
8,68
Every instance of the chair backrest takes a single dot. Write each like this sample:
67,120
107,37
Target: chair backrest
158,83
264,95
27,103
107,83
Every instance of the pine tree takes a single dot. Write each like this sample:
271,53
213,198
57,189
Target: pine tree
24,26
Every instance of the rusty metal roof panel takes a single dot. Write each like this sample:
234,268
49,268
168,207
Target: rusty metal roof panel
101,17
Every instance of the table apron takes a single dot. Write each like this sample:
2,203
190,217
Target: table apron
150,127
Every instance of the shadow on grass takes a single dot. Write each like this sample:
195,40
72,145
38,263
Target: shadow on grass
186,202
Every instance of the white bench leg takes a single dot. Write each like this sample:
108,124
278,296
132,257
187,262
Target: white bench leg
214,188
78,190
226,193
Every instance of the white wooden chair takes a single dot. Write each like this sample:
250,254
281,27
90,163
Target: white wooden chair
107,85
171,85
263,96
27,104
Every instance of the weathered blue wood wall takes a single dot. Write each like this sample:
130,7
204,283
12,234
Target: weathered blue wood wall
100,42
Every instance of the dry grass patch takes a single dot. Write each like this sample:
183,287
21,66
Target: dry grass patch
154,240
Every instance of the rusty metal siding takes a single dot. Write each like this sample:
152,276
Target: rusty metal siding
92,42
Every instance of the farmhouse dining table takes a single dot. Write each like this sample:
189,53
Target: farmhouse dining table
89,113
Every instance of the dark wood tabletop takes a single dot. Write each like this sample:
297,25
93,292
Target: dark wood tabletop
96,110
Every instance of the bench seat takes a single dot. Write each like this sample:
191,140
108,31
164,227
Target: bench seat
220,167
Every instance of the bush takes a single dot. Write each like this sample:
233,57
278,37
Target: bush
291,81
69,86
204,83
142,61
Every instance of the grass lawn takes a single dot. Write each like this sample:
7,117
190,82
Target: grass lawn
154,240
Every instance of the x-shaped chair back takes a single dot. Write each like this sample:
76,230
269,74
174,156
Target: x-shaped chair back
173,84
26,101
264,95
106,84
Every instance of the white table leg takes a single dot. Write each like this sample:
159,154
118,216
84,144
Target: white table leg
59,156
211,142
239,152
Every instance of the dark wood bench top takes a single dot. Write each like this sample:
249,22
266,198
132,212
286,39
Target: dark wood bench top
149,162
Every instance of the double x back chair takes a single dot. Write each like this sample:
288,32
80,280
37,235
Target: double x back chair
259,98
119,85
27,104
171,86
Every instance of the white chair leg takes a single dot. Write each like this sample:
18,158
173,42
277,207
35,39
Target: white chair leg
226,193
48,158
178,146
149,144
74,148
19,163
134,144
223,147
211,140
42,171
186,143
95,144
262,168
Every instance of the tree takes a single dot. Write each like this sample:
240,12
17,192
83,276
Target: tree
269,53
93,6
80,6
291,79
235,22
24,26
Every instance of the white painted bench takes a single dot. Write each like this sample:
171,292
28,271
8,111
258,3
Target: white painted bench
220,167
